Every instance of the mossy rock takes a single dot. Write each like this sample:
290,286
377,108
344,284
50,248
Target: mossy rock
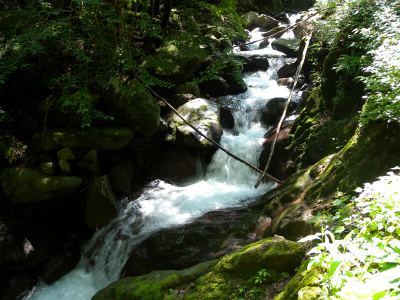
304,285
152,286
28,186
131,103
177,58
203,115
105,138
213,279
288,46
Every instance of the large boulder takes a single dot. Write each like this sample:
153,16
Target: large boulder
214,87
273,110
203,115
288,46
214,279
255,63
100,204
265,21
105,138
177,59
187,88
28,186
174,162
236,83
121,176
132,104
249,18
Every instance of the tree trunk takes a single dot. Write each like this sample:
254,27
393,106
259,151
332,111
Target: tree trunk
167,13
156,9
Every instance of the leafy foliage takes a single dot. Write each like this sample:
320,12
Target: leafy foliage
360,243
368,34
91,43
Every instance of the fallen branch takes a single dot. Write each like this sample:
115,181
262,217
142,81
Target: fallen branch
213,142
308,38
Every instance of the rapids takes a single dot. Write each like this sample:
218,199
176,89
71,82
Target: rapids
225,183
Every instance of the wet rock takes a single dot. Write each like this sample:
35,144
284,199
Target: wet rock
215,234
214,87
15,287
280,154
174,162
288,69
263,44
273,110
100,204
255,63
61,264
120,175
273,31
236,83
289,81
94,137
227,120
132,104
28,186
202,114
288,46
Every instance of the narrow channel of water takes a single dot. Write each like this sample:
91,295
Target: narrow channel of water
226,183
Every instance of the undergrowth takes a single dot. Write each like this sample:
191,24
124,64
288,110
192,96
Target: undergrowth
360,243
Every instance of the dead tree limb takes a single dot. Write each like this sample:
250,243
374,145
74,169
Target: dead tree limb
307,41
213,142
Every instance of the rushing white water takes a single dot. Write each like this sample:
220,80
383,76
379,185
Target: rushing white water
226,183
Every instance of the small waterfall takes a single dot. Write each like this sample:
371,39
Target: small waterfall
226,183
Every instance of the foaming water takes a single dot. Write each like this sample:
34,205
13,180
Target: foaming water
226,183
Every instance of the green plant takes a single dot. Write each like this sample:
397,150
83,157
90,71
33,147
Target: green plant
360,245
285,275
261,276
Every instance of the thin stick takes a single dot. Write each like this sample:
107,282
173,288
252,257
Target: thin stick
285,110
215,143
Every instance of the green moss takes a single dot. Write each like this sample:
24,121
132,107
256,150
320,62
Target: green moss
303,279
